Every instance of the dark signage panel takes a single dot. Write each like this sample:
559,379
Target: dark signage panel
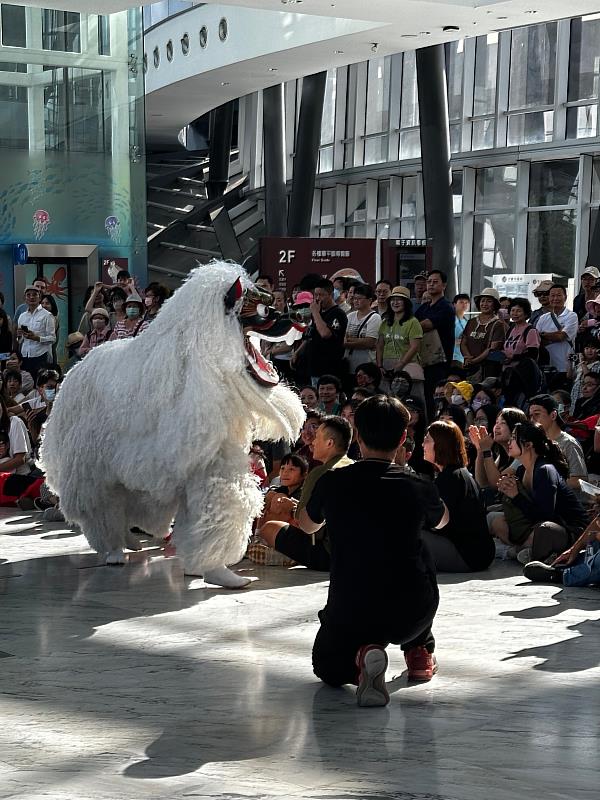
403,259
289,259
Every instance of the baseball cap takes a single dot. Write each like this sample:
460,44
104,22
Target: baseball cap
591,271
303,298
465,388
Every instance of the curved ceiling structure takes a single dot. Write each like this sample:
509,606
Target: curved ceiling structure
272,41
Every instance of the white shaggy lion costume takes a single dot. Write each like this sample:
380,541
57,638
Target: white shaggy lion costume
159,426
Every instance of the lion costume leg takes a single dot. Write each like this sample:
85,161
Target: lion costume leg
213,524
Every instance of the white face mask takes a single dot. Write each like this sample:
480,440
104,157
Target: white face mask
50,394
457,400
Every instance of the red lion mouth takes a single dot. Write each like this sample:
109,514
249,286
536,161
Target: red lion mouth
259,367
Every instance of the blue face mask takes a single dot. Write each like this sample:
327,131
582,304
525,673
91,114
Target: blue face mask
336,294
50,394
132,312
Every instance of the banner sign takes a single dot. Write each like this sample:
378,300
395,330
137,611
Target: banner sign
289,259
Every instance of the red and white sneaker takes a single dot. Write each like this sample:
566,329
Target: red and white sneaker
372,662
422,665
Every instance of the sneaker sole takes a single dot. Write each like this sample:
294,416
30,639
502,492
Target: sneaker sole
371,690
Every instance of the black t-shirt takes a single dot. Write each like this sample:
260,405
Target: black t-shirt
442,317
324,356
467,528
380,568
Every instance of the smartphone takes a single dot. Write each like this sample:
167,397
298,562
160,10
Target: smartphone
25,328
26,405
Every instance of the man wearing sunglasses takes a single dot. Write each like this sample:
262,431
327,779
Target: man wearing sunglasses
542,294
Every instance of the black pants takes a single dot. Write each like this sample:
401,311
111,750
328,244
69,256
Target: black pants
35,365
335,647
299,546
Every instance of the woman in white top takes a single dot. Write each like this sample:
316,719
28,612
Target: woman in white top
19,443
16,480
362,330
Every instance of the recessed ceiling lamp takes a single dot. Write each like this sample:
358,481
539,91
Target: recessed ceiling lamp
338,52
291,2
448,28
272,69
225,83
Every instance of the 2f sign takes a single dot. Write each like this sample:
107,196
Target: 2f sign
286,256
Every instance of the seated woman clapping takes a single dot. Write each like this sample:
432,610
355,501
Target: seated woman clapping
464,544
542,516
492,450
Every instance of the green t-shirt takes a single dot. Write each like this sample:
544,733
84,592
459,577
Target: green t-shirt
397,337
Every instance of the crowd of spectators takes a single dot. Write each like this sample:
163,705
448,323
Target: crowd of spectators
503,408
477,418
32,373
502,403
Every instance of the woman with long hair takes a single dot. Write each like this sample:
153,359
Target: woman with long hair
399,342
464,544
542,515
492,448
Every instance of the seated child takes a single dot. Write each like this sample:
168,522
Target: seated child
280,504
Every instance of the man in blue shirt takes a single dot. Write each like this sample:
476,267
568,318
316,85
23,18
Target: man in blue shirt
437,314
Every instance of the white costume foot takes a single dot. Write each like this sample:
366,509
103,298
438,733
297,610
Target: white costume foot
115,558
222,576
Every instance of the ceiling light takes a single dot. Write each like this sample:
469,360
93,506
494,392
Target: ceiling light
374,47
450,28
338,52
272,69
225,83
424,33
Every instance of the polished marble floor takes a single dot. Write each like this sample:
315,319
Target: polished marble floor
133,682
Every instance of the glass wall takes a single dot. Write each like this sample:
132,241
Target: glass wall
72,131
523,112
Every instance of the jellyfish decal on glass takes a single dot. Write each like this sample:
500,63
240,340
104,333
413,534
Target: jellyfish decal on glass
113,228
41,220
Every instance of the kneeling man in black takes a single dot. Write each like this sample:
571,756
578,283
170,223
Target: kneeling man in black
383,587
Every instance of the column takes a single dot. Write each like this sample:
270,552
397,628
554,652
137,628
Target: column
435,160
221,125
307,154
274,161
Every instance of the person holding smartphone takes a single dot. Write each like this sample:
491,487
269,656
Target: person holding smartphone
36,331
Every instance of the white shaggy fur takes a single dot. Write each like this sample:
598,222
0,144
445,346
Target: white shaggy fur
159,426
